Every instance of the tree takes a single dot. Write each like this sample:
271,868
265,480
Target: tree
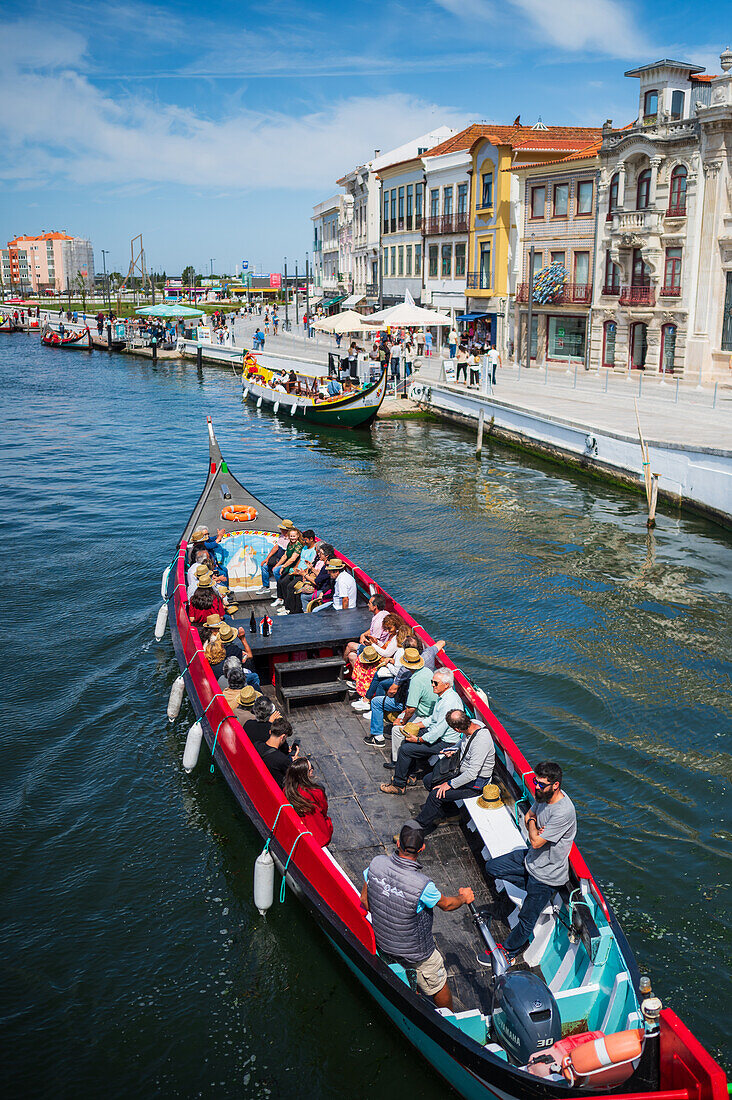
189,276
80,285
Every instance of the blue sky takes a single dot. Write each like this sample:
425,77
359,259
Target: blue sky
213,128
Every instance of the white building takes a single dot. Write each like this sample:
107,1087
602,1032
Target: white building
446,226
663,277
332,247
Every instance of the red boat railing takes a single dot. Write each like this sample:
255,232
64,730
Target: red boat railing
337,892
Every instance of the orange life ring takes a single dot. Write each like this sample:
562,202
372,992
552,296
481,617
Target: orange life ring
236,513
250,359
607,1059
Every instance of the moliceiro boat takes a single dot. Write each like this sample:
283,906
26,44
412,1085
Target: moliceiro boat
575,1018
53,339
8,324
354,408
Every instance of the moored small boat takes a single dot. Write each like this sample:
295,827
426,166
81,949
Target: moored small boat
610,1033
355,407
54,339
8,324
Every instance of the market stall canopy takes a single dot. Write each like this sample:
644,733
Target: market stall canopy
168,309
354,300
410,315
472,317
347,321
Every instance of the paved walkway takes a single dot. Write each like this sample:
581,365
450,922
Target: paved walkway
680,415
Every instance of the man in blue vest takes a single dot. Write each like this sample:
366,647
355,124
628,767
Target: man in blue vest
400,899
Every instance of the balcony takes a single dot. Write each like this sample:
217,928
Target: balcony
447,223
635,221
478,280
677,209
670,292
611,290
371,289
317,246
570,293
637,296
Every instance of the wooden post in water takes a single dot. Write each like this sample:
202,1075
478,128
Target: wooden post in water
651,480
479,442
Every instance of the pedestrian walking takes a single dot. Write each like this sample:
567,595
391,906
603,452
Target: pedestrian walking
494,361
452,342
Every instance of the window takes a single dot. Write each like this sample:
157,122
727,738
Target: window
643,190
613,193
462,198
401,259
650,105
393,260
408,260
418,203
447,200
610,329
486,193
459,259
485,265
672,272
641,274
561,198
668,348
677,193
434,202
534,334
385,262
537,265
585,191
410,205
401,208
446,261
432,253
566,338
726,344
677,105
612,275
556,258
418,259
581,268
638,345
538,197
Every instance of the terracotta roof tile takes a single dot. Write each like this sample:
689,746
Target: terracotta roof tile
553,139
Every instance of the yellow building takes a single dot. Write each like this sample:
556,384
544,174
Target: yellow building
495,152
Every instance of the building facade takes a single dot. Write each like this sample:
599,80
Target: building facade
446,222
332,248
362,185
663,298
50,262
557,217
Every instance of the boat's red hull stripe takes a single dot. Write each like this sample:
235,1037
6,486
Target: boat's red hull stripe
338,894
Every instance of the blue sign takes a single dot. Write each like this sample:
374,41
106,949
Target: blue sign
245,265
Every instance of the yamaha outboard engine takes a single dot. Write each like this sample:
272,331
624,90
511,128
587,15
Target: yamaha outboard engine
526,1017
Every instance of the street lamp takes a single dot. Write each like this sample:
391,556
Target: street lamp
287,319
105,253
529,319
307,293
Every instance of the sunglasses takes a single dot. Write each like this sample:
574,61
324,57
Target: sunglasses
542,786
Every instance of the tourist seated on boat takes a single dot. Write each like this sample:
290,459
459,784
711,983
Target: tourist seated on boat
290,600
201,556
344,589
270,565
543,868
364,670
247,698
308,800
375,635
400,899
291,384
421,738
460,773
236,645
205,601
235,681
393,678
293,550
217,552
274,751
316,590
214,653
209,629
264,712
419,704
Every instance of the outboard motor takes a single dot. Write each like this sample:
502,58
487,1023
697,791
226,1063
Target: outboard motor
525,1017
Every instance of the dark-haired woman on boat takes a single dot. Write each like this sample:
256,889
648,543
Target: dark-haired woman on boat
308,800
205,600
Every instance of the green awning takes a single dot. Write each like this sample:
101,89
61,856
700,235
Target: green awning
334,301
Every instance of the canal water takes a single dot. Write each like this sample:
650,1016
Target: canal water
133,961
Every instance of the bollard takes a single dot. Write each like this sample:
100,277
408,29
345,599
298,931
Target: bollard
479,443
574,387
154,351
607,375
676,398
640,382
199,358
714,399
109,335
546,373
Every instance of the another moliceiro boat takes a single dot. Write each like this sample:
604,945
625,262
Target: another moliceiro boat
355,408
589,1024
53,339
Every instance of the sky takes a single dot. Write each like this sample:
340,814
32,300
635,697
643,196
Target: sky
213,128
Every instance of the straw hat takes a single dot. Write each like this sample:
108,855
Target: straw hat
200,534
204,576
369,656
227,633
213,622
490,799
335,564
303,586
411,659
232,608
411,728
247,695
286,525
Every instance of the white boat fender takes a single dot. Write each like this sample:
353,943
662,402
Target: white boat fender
264,871
259,403
176,698
276,408
193,747
293,409
160,622
164,581
245,393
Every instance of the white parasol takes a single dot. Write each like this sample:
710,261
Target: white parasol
410,315
347,321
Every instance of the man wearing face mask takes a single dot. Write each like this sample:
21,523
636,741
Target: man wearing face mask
544,867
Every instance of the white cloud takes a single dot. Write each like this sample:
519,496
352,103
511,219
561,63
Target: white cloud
603,26
59,126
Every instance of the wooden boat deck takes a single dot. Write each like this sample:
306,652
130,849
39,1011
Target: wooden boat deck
365,822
